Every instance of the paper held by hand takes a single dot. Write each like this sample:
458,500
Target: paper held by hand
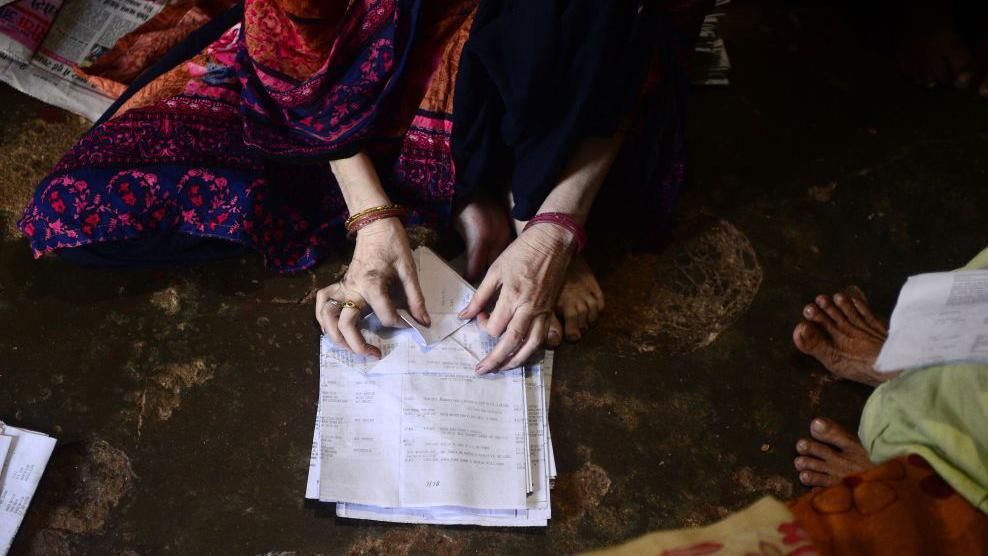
939,318
446,294
418,436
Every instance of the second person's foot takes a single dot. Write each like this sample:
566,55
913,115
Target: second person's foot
843,334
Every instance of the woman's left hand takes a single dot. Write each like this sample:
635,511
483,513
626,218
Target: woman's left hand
530,274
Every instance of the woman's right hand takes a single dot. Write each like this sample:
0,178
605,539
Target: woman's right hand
381,255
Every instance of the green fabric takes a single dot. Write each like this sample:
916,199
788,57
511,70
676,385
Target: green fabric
939,413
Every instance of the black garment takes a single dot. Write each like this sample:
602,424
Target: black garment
535,78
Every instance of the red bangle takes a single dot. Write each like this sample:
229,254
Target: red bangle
362,221
562,220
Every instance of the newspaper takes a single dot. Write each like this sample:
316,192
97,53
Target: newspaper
23,26
81,31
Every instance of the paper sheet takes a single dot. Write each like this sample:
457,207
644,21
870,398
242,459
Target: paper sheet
422,415
939,318
446,294
81,31
459,434
27,455
538,510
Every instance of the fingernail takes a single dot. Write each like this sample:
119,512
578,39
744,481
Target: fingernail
481,368
819,425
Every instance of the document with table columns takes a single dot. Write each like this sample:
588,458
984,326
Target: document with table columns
418,436
939,318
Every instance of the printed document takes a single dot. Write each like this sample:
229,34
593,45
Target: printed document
940,318
24,457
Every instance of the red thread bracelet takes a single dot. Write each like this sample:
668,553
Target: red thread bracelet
562,220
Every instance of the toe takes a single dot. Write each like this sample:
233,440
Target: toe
554,337
827,305
593,311
833,434
819,450
804,463
816,479
582,316
814,313
570,324
808,337
845,305
869,317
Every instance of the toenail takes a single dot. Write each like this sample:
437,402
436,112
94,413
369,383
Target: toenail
821,300
819,425
554,335
839,298
805,477
800,464
809,311
802,445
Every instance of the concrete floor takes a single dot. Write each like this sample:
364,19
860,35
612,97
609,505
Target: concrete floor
184,399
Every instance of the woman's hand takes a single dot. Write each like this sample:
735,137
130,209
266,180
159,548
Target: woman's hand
529,273
381,255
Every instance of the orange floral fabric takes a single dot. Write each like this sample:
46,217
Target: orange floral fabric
899,508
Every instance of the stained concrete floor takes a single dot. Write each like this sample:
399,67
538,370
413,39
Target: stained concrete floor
184,400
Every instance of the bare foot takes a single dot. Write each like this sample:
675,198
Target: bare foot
581,301
485,226
832,454
931,50
844,335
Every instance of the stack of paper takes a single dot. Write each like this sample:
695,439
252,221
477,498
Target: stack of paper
418,436
23,456
940,318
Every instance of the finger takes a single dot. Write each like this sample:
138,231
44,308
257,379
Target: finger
377,297
497,322
555,335
349,319
413,292
485,292
331,328
535,337
511,341
321,297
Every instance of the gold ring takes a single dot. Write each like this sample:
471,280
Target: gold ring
350,305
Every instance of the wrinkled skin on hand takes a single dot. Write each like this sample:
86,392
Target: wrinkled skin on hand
382,255
529,274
